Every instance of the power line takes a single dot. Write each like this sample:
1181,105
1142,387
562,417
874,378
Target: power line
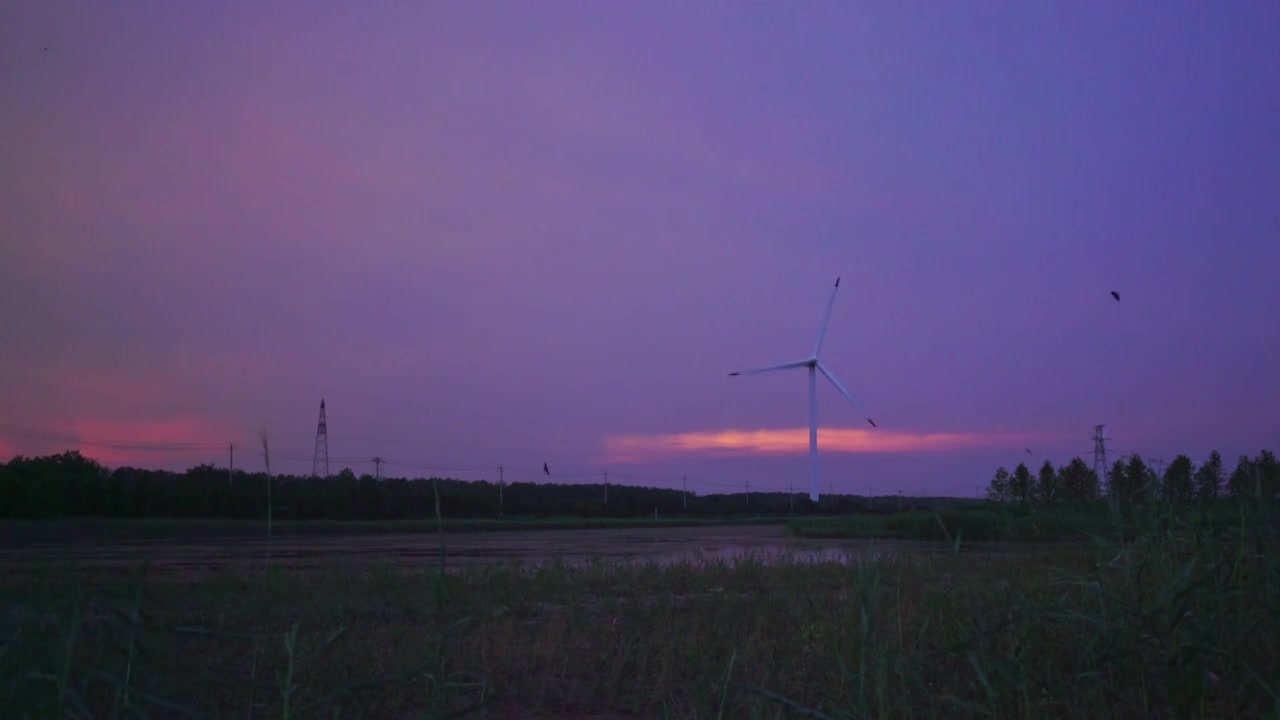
420,466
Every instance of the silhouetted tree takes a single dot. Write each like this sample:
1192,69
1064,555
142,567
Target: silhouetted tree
54,486
1048,484
1022,485
1140,478
1178,484
1208,478
68,485
1118,487
998,490
1079,482
1268,469
1243,480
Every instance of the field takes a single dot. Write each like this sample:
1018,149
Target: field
1175,617
189,560
95,531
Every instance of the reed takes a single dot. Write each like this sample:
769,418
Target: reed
1169,612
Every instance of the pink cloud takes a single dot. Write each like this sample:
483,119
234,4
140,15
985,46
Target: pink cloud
635,448
140,441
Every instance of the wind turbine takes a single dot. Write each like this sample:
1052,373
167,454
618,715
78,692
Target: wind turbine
814,367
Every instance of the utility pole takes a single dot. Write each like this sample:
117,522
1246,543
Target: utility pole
684,491
1100,452
231,463
500,483
377,468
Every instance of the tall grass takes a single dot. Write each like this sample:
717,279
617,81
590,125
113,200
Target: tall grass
266,462
1165,612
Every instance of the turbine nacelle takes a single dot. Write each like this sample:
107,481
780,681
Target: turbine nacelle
814,365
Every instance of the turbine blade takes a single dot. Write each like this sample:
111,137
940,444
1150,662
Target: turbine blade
783,366
827,373
826,319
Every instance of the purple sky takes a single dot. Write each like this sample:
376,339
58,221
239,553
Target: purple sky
502,233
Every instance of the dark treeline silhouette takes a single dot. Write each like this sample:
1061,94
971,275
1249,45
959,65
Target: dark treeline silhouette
70,485
1131,480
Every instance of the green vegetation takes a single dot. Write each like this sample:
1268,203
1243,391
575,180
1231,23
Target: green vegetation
1131,481
994,523
69,485
101,531
1069,503
70,499
982,524
1173,612
1165,602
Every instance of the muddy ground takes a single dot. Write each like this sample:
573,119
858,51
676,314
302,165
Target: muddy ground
420,551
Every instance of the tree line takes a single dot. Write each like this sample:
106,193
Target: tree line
70,485
1132,480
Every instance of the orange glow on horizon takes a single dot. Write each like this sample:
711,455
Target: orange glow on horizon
626,448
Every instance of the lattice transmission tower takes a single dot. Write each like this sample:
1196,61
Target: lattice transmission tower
1100,452
320,460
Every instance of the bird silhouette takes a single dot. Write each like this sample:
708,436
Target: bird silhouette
1028,451
1115,295
873,422
546,469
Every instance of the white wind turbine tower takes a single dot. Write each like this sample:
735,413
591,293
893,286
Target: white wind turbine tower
814,367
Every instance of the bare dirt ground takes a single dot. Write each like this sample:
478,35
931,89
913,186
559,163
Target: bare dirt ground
419,551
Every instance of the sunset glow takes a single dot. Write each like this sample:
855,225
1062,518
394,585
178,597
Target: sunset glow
498,236
633,448
140,442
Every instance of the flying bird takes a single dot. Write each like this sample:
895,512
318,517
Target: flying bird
1115,295
873,422
545,469
1028,451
